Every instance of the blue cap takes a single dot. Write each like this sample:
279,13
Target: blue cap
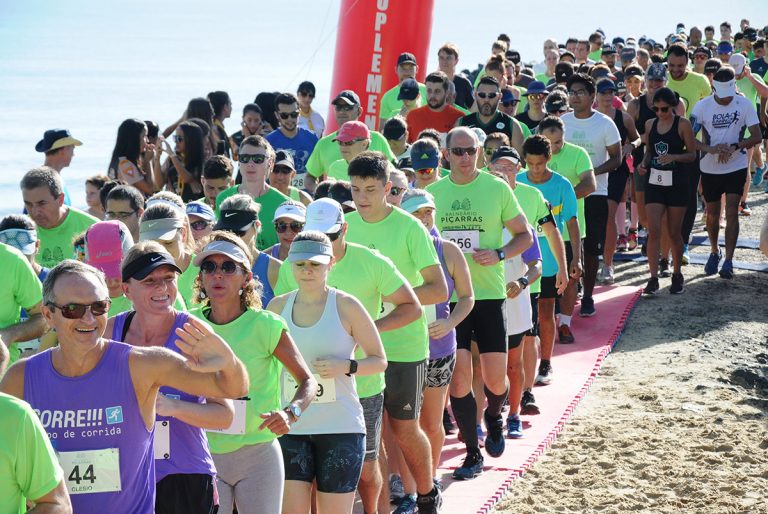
604,85
409,90
725,48
536,87
424,158
201,210
656,71
507,96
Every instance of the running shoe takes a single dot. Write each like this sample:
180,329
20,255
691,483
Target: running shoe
744,209
710,268
430,503
758,176
686,256
664,268
407,505
471,467
677,286
448,425
587,309
545,373
480,436
528,406
726,270
652,287
396,490
632,240
514,427
494,441
564,335
622,243
608,275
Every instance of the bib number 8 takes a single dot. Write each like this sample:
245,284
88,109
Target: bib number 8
74,475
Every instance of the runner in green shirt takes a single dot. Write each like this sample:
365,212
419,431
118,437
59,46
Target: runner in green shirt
691,86
390,105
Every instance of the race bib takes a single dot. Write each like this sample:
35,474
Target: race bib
386,308
466,240
28,348
91,471
326,388
162,439
238,422
298,180
660,177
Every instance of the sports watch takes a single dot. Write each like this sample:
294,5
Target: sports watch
523,282
501,254
352,367
293,410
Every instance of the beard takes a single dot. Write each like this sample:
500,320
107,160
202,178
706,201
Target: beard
488,109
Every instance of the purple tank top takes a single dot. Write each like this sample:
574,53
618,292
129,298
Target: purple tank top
446,345
189,451
96,428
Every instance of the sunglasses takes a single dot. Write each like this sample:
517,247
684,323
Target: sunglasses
537,96
306,93
511,103
397,191
458,151
488,95
350,143
425,171
660,109
227,267
178,139
282,170
77,310
286,115
344,108
257,158
295,227
200,225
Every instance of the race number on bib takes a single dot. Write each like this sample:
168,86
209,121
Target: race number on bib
466,240
91,471
660,177
238,422
162,439
326,388
298,180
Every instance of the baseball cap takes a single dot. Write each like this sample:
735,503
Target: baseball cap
21,239
409,90
342,193
618,41
507,95
226,248
346,97
201,210
536,87
656,71
291,210
235,220
703,50
413,202
563,70
285,159
633,71
352,130
513,55
394,129
602,72
724,48
162,229
750,33
56,138
506,152
425,157
141,267
324,215
308,250
406,58
106,242
712,65
608,49
604,85
628,53
738,61
556,103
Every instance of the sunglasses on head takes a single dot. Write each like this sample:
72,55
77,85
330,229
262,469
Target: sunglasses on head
458,151
227,267
178,139
295,227
660,109
257,158
488,95
286,115
200,225
77,310
397,191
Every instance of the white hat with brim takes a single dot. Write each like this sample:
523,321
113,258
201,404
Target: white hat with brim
309,250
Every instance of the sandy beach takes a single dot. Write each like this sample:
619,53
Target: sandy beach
677,420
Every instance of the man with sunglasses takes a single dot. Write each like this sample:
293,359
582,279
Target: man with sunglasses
346,107
438,113
472,209
298,142
353,139
308,117
488,117
96,398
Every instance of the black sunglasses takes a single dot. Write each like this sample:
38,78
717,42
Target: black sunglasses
307,93
397,191
458,151
77,310
488,95
295,227
660,109
200,225
258,158
227,267
286,115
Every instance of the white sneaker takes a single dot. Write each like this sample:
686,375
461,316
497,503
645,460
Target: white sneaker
607,277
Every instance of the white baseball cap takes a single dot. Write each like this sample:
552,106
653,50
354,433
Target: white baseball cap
291,210
738,61
324,215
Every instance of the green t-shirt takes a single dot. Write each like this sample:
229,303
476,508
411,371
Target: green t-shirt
596,55
28,465
404,240
253,337
570,162
269,202
746,87
186,283
338,170
526,131
367,275
327,152
523,103
475,213
23,290
390,106
535,208
692,88
56,243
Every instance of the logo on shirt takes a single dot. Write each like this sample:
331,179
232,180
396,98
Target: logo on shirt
114,415
661,148
463,205
725,120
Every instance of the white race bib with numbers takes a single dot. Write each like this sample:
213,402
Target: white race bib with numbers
466,240
91,471
238,422
162,439
660,177
298,180
326,388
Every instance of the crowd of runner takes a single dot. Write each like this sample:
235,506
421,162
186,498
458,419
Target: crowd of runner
280,319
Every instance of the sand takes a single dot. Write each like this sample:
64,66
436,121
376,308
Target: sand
677,420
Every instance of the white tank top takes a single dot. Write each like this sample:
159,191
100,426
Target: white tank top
337,409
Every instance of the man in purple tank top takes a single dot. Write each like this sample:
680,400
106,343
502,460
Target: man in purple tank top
96,397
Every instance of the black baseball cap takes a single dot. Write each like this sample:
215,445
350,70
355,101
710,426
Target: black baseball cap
556,103
235,220
506,152
346,97
409,90
141,267
608,49
513,55
406,58
563,70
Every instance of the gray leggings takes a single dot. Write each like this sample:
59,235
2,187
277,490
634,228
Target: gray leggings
252,477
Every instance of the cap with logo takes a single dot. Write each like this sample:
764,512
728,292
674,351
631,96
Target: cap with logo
656,71
284,158
201,210
424,158
506,152
409,90
605,85
106,243
563,71
142,266
633,71
556,103
346,97
163,229
406,58
608,50
628,53
235,220
352,130
712,65
56,138
324,215
226,248
23,240
291,210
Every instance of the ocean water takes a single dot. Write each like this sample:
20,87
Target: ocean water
87,65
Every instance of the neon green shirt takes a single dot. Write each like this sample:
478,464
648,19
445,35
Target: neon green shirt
28,465
404,240
186,283
390,106
269,201
56,243
253,337
535,208
692,88
596,55
327,151
367,275
570,162
477,212
22,289
338,170
746,87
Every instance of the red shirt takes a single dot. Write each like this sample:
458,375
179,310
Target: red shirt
424,117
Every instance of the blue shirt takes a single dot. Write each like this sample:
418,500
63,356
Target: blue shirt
559,192
300,146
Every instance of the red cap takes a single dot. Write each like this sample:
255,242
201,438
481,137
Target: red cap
352,130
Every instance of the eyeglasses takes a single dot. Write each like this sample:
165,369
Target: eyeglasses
344,108
397,191
306,93
200,225
178,139
295,227
227,267
350,143
458,151
537,96
112,215
488,95
286,115
77,310
257,158
580,92
660,109
511,103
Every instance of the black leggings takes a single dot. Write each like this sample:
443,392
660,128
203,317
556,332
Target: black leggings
693,200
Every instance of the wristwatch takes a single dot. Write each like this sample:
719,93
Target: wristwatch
352,367
293,410
523,281
501,254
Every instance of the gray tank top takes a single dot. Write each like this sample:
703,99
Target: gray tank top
336,410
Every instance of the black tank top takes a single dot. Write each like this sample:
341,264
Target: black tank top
618,120
644,114
668,143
